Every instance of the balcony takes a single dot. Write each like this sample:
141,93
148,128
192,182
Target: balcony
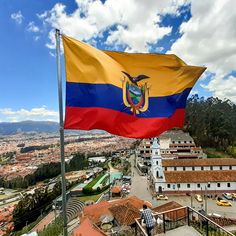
182,221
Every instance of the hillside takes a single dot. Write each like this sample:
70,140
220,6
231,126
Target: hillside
9,128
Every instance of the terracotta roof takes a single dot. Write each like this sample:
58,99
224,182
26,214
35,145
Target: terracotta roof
116,189
200,176
182,144
125,214
87,228
135,201
179,214
94,212
200,162
167,206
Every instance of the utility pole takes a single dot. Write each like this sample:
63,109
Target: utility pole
109,183
206,199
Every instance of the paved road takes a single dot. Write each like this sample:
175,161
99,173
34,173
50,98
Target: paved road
139,186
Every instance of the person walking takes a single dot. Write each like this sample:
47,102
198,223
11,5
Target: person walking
148,219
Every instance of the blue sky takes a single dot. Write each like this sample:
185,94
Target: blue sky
201,34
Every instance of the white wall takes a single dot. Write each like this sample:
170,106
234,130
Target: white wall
193,186
198,168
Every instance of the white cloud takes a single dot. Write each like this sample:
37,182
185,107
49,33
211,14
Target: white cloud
137,21
17,17
38,114
222,87
209,39
32,27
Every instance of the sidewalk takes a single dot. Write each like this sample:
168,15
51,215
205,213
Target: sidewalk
44,222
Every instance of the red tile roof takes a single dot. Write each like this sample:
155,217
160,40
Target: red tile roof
200,176
200,162
87,228
116,189
133,200
94,212
125,214
174,215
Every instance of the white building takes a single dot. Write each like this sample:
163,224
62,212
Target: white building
192,175
173,145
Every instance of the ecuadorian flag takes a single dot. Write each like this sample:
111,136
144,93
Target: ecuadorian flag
132,95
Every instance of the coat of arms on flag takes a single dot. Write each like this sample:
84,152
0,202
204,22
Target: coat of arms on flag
135,94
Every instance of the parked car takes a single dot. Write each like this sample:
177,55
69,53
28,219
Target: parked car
228,196
198,197
214,214
223,203
162,197
233,196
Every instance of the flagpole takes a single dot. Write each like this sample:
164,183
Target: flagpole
63,180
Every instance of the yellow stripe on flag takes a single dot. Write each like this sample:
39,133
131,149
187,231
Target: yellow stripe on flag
167,74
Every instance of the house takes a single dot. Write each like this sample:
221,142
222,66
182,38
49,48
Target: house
174,144
173,216
173,176
87,228
125,214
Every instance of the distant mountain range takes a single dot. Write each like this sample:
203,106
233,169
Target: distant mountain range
8,128
29,126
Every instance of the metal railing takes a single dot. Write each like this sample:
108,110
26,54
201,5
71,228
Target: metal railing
169,220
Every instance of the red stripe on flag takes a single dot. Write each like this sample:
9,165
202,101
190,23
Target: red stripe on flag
120,123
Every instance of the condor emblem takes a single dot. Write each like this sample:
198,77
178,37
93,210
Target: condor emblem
135,95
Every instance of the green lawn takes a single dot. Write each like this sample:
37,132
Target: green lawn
92,197
93,182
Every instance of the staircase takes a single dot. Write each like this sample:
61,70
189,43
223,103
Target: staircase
73,208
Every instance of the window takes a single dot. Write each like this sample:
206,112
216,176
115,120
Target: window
228,185
193,168
157,162
175,168
208,185
211,167
190,141
218,185
168,185
178,185
198,185
202,168
184,168
179,142
157,174
230,167
188,185
185,142
220,167
165,168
